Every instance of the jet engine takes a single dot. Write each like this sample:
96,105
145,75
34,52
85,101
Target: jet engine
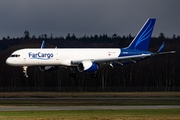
48,68
87,66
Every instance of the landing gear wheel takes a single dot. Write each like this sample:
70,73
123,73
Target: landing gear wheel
95,76
73,75
25,71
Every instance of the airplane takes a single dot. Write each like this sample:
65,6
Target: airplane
87,59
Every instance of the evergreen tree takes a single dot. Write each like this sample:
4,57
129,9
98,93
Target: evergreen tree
26,34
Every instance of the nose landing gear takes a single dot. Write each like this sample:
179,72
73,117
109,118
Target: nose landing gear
25,71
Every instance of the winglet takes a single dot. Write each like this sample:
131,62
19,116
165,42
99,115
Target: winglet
161,47
43,45
159,52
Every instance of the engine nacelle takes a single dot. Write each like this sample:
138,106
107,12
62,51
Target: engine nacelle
87,66
48,68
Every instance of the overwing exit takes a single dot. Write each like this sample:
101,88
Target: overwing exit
87,59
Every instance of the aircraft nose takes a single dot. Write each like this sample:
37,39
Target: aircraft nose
9,61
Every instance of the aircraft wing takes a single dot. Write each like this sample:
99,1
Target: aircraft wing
118,60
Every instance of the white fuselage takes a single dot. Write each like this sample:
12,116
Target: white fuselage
64,57
87,59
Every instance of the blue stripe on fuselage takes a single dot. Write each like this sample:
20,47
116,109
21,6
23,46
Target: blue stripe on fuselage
129,52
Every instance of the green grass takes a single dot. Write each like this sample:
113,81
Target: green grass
87,102
89,94
160,114
147,114
80,102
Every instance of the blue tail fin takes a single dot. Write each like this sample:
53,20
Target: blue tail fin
141,41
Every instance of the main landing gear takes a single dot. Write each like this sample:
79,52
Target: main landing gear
25,71
73,75
95,76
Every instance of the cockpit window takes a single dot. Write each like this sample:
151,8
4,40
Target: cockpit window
15,55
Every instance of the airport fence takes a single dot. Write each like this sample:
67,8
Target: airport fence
89,89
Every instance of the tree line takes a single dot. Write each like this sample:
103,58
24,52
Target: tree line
160,73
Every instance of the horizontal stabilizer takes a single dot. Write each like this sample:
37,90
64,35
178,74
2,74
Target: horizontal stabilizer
169,52
161,53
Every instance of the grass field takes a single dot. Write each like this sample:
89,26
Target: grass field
89,94
162,114
87,102
147,114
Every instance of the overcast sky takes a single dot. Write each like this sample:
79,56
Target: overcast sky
89,17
